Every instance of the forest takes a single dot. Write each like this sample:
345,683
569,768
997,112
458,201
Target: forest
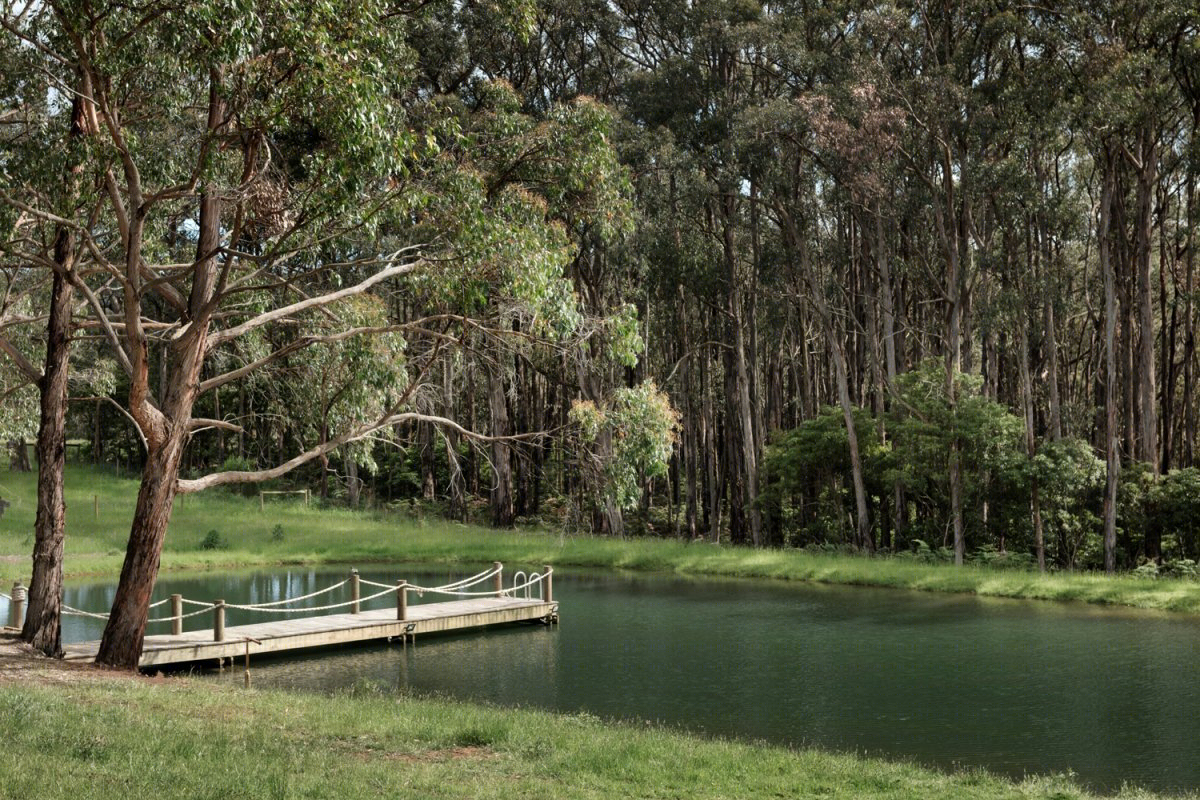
911,277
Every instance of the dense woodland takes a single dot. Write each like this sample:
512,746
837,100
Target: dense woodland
910,276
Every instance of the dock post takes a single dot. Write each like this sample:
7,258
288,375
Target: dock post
355,592
499,579
548,584
402,600
219,621
18,604
176,614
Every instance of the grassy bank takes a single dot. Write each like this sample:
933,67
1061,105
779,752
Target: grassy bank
120,738
101,505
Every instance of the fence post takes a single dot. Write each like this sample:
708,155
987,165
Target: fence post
18,604
176,614
548,584
355,592
219,621
499,579
401,600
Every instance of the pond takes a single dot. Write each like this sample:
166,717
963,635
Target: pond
1015,687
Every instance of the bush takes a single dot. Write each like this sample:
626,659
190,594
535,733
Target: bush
213,541
277,533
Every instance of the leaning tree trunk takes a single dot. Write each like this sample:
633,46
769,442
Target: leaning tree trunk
121,645
43,620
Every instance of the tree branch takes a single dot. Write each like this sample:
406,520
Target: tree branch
220,337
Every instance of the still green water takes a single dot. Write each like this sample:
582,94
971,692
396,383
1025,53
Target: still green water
1016,687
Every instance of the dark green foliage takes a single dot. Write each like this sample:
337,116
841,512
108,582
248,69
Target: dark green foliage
213,541
807,496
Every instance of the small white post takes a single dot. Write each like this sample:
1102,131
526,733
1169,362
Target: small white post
18,604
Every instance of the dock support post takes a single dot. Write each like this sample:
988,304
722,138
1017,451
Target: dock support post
17,611
548,584
355,592
402,600
219,621
176,614
499,579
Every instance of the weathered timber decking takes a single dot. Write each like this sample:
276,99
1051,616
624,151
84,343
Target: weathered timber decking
297,633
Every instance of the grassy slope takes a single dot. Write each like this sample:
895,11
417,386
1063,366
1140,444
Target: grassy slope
95,545
123,738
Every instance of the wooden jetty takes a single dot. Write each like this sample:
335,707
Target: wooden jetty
480,609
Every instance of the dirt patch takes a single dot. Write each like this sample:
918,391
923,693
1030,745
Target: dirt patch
20,663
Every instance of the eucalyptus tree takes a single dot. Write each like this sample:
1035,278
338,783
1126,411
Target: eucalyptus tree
282,132
43,172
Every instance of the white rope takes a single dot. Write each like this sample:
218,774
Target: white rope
502,593
285,601
181,616
459,584
296,599
75,612
389,590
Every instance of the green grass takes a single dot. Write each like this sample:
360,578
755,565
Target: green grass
183,738
95,546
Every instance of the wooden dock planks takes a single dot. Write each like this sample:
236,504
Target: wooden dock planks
298,632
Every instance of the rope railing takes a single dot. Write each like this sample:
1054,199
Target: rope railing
207,608
537,578
264,610
463,583
285,601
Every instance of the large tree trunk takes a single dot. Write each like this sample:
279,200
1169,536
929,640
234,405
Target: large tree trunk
166,428
43,621
121,645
